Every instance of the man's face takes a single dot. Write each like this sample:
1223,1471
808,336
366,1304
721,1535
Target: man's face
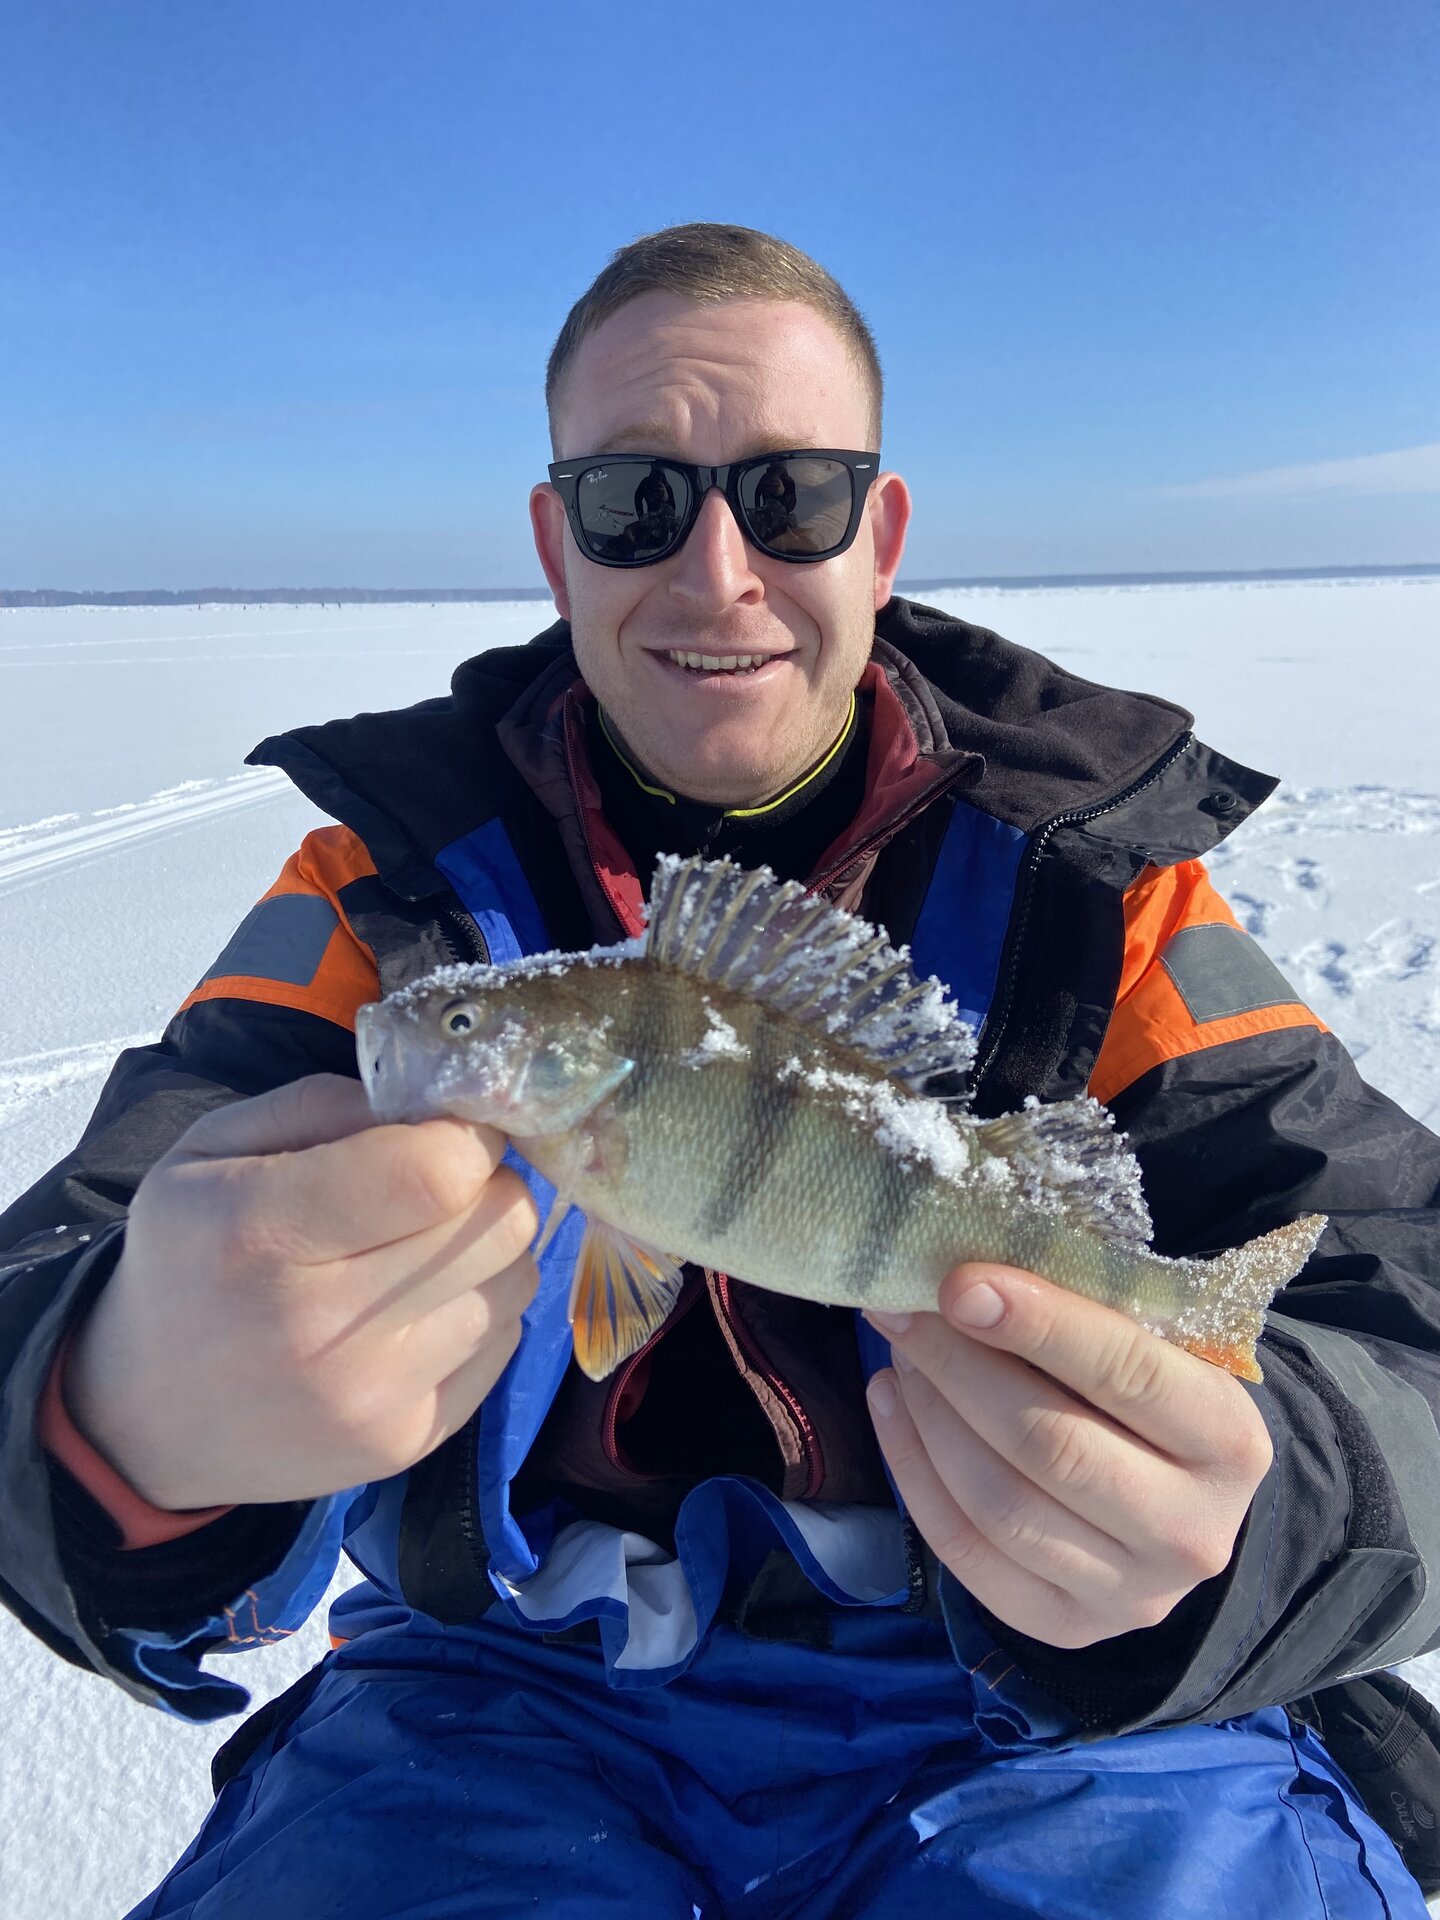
714,384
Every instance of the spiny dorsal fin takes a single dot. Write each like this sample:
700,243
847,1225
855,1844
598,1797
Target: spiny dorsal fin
1069,1155
772,941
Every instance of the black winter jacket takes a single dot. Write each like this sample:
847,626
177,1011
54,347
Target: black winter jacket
1119,971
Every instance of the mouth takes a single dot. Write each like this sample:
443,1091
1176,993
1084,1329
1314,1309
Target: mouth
737,664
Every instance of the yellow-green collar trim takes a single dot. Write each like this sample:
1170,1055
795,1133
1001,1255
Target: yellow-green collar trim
657,793
737,813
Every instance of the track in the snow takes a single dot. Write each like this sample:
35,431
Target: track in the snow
27,853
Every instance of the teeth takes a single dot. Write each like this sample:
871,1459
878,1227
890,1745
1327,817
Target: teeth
714,662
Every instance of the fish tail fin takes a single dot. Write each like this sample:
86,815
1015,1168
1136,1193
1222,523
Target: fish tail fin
1239,1286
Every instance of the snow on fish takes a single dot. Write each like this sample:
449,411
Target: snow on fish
745,1087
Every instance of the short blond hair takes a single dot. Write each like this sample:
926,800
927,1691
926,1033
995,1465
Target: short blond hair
705,261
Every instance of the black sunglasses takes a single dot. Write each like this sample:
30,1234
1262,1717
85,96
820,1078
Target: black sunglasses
633,509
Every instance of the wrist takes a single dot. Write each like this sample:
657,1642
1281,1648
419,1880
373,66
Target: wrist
142,1523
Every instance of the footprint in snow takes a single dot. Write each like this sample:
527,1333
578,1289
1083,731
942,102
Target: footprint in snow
1304,875
1252,913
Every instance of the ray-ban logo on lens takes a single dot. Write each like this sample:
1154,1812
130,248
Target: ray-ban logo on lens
596,473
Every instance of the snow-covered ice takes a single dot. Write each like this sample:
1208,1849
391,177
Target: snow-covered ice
132,840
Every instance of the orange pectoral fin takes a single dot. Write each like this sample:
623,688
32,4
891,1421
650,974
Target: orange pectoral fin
622,1293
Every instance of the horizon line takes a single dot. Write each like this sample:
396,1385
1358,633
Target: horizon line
16,598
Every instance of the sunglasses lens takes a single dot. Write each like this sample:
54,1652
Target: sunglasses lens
801,505
631,510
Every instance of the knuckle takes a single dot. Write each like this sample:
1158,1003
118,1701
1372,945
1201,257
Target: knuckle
1058,1449
1068,1624
1133,1368
1206,1554
442,1172
960,1550
1246,1449
1012,1525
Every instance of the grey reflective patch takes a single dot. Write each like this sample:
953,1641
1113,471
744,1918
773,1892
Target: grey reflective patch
281,939
1404,1431
1219,971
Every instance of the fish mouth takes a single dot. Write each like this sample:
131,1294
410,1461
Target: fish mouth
397,1077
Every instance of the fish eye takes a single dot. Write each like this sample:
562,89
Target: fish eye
461,1016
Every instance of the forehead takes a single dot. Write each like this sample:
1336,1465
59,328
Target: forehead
711,382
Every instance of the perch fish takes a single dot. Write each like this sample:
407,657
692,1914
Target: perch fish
749,1085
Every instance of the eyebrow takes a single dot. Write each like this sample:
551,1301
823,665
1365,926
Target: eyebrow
651,437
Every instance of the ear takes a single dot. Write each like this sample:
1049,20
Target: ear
888,506
547,523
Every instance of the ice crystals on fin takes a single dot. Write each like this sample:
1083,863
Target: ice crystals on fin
1069,1158
774,942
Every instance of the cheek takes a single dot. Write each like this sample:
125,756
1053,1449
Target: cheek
602,599
840,609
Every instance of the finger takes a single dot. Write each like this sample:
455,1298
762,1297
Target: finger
1018,1518
371,1190
1068,1449
303,1113
485,1316
1157,1391
399,1284
461,1392
1013,1593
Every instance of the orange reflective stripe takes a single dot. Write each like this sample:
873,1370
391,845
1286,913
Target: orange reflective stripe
1151,1022
343,976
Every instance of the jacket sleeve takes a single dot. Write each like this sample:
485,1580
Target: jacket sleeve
279,1003
1244,1111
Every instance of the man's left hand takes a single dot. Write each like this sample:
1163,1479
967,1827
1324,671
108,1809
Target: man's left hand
1078,1475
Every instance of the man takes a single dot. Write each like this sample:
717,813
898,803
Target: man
666,1644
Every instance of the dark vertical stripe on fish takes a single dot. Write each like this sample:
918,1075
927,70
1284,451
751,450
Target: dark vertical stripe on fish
772,1104
892,1193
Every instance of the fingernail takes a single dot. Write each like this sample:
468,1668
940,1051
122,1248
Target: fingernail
978,1306
891,1323
882,1396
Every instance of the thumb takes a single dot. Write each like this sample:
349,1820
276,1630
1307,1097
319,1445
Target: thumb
304,1113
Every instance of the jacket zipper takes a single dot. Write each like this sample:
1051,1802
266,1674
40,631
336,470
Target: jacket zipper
719,1283
467,935
882,834
1035,853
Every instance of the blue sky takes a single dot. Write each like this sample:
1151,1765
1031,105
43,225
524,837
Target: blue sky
1155,286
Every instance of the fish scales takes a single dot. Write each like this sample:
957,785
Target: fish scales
743,1089
766,1166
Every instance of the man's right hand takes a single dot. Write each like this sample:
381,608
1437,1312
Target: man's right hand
306,1301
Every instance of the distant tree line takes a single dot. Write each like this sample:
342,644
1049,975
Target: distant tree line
266,596
423,596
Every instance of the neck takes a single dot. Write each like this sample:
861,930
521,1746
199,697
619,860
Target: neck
650,783
787,832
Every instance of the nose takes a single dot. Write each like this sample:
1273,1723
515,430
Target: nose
714,569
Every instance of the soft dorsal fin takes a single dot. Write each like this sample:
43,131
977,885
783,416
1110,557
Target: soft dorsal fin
746,930
1070,1156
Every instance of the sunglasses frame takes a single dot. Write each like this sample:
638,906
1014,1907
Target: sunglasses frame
863,467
